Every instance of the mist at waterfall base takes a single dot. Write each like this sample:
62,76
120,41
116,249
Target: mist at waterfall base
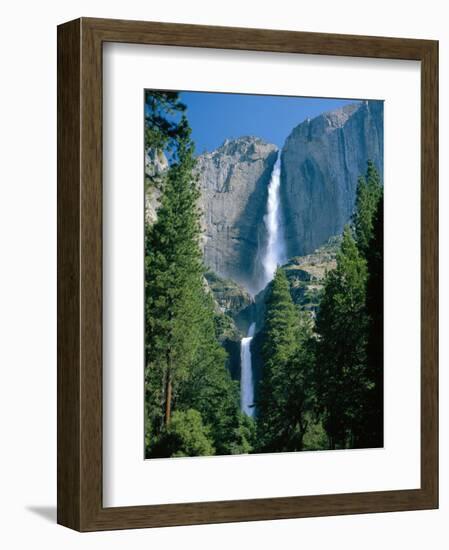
274,255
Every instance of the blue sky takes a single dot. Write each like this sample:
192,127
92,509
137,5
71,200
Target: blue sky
215,117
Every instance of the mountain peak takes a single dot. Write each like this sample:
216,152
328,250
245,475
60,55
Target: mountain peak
251,147
325,123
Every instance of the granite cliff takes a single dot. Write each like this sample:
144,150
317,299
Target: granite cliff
321,161
156,166
234,180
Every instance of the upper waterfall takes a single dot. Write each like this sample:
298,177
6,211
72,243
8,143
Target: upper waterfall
319,171
275,253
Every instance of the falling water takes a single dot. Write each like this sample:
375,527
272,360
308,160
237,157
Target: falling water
275,248
246,380
274,255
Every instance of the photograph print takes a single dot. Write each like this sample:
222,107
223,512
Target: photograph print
263,274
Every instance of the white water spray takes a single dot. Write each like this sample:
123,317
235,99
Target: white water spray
274,255
246,379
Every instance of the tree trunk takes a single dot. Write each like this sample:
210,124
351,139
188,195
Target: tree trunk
168,376
168,397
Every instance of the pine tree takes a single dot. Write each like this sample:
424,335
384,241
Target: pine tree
300,389
341,346
173,269
371,428
368,231
283,391
209,387
162,127
185,364
369,191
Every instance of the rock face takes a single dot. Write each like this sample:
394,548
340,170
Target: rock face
234,180
232,307
321,161
229,296
306,275
156,166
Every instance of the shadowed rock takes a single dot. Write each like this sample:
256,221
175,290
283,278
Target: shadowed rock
234,180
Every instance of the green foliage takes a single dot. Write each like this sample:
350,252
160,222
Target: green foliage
173,283
246,435
186,435
185,364
162,128
368,228
341,346
210,390
322,385
369,192
285,392
225,326
349,369
315,437
371,432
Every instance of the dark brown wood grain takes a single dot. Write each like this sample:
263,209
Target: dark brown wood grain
429,271
69,435
80,274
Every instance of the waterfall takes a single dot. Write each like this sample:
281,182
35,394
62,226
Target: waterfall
246,379
274,254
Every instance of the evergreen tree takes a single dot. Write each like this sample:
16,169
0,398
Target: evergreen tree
369,191
341,346
162,124
185,364
173,271
209,387
368,231
301,391
164,127
283,395
371,429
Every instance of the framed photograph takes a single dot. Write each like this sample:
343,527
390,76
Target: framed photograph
247,274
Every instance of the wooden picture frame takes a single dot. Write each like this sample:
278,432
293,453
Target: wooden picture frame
80,504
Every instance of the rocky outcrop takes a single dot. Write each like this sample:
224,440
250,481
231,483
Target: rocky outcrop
306,274
156,166
321,161
234,180
229,296
232,305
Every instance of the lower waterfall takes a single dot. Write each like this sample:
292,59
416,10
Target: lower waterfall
246,378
